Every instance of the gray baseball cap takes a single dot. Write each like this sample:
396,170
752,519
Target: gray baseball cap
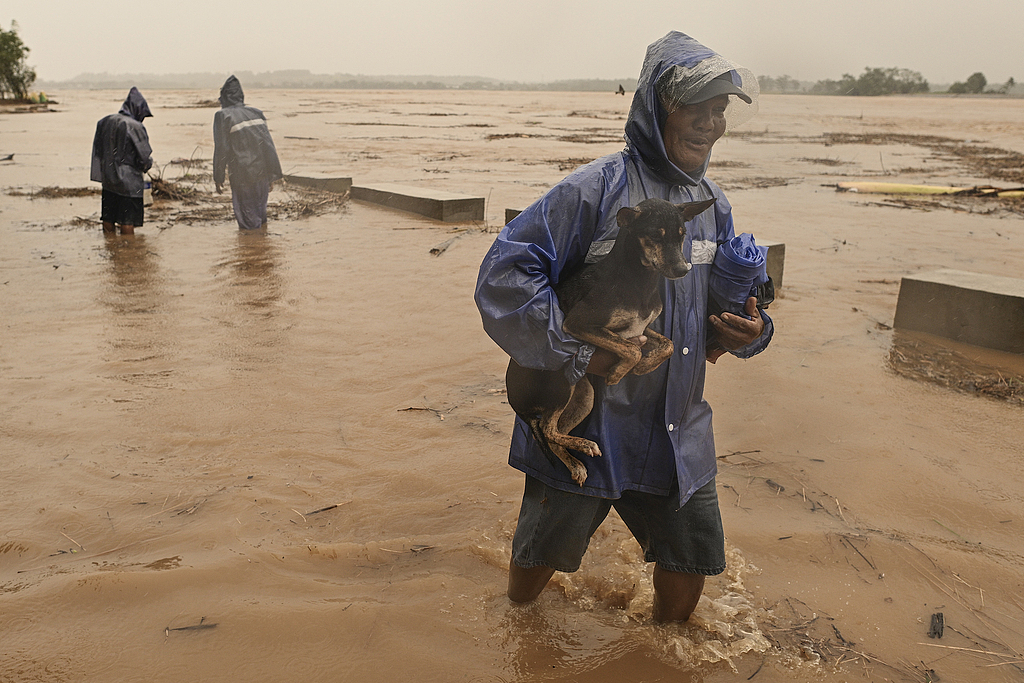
720,85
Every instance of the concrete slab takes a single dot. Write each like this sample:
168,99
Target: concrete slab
442,206
321,181
973,308
776,261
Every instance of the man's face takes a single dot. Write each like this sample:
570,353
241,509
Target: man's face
692,130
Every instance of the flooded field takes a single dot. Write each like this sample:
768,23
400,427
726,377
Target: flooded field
282,457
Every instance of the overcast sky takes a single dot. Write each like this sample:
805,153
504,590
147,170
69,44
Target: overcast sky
524,40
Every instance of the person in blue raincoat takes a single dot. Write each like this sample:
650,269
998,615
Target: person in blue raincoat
120,155
243,148
658,468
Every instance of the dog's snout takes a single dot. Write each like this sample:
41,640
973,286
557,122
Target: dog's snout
679,270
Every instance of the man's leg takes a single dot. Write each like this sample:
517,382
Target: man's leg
127,229
554,530
686,544
675,594
109,227
524,585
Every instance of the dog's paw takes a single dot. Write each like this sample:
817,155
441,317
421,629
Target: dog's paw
579,473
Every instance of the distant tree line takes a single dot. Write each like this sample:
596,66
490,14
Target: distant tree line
16,77
876,81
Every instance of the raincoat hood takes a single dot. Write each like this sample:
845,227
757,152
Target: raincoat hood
231,93
135,105
688,66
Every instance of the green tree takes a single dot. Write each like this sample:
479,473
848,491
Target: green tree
16,77
975,84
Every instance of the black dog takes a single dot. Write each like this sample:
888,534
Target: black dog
606,304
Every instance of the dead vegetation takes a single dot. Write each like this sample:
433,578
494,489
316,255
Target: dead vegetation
987,162
919,360
56,192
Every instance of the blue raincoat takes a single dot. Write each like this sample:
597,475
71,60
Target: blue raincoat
653,429
120,148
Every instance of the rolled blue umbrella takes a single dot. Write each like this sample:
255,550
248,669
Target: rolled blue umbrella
738,272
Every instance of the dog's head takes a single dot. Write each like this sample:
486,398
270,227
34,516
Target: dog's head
659,227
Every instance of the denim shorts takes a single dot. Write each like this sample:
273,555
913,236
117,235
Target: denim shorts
555,528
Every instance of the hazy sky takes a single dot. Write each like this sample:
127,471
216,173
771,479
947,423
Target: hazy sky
525,40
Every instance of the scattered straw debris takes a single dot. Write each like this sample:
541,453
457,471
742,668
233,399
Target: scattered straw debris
56,192
945,367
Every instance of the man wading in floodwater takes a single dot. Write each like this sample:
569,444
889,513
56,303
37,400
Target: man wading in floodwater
658,468
242,145
120,155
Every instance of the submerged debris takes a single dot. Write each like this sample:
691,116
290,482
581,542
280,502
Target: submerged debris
939,365
56,192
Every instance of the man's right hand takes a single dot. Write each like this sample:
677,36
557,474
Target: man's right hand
603,359
220,188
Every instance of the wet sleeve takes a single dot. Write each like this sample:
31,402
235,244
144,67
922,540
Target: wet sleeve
726,231
220,148
143,152
514,294
96,170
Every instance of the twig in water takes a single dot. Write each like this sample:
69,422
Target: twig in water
435,411
843,517
950,530
325,509
72,540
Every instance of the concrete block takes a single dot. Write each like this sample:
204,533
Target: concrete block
321,181
442,206
776,260
973,308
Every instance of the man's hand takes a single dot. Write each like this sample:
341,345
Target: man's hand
735,331
220,188
603,359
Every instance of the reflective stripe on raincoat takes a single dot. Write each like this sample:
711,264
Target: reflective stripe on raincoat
241,140
652,429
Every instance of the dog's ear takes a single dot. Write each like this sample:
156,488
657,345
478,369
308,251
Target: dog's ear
627,215
691,209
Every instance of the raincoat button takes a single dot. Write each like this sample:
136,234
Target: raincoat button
686,350
671,428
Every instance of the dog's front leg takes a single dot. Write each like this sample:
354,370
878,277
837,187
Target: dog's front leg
629,353
659,349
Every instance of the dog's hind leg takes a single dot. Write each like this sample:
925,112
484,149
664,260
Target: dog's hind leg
581,402
543,430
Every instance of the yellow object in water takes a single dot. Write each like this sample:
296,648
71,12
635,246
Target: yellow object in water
903,188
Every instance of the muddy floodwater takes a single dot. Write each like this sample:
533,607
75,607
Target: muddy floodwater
282,457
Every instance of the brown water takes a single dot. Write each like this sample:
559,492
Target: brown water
178,408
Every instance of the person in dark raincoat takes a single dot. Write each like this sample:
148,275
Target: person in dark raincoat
120,155
243,147
658,466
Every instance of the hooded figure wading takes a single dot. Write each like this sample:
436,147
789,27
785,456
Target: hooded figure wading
120,155
243,147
